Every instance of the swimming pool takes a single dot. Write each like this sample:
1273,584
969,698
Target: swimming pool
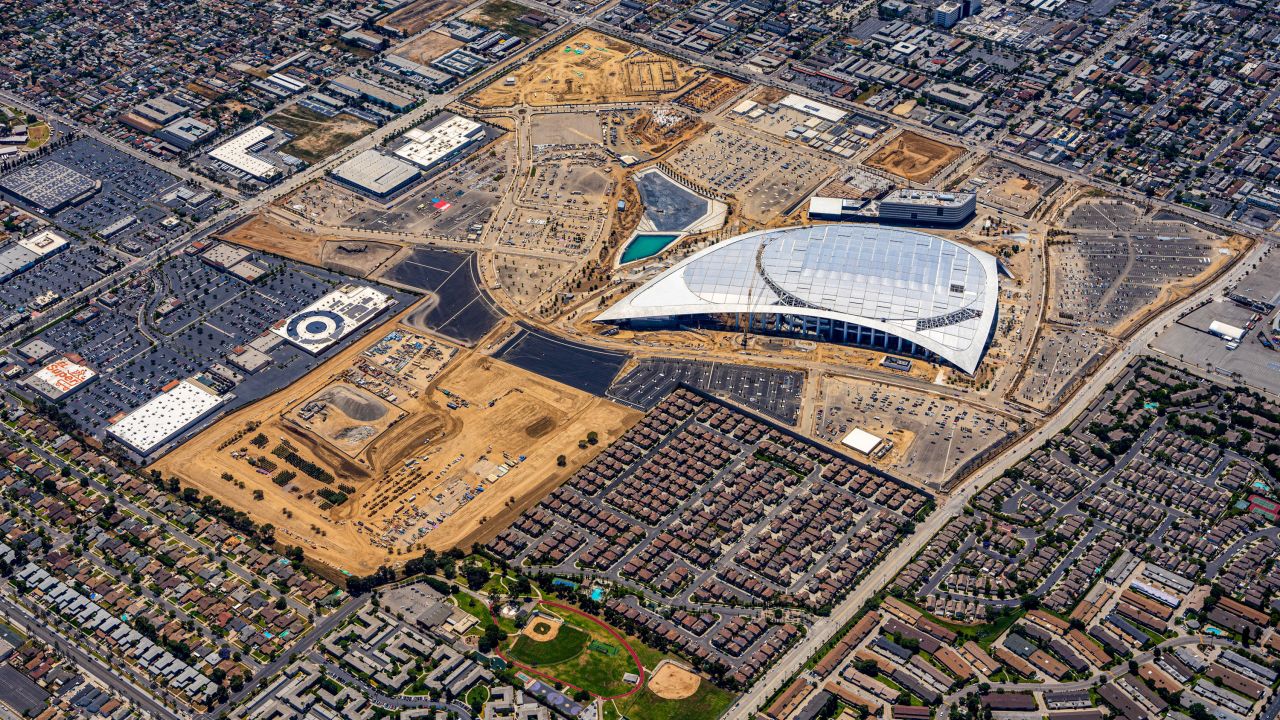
597,594
645,245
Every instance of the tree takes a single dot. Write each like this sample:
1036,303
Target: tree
492,637
561,461
475,576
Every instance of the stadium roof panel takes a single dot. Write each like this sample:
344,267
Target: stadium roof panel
935,293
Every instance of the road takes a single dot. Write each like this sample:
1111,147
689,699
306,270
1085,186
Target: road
954,505
1112,674
301,647
83,660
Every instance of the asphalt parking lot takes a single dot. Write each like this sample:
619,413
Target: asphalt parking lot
586,368
775,393
461,309
217,312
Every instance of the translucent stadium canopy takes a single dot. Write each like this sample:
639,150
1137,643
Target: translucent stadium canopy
929,291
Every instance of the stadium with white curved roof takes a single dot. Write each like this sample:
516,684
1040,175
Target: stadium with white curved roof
885,287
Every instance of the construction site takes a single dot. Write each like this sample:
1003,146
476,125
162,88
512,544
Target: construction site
589,68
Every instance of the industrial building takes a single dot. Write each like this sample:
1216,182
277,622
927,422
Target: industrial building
901,206
899,290
178,408
333,317
376,174
956,96
186,133
23,254
238,152
357,89
60,378
443,142
49,186
928,206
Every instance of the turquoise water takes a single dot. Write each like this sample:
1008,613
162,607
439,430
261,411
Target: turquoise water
597,594
646,245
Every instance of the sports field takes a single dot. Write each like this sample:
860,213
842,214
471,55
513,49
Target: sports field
581,652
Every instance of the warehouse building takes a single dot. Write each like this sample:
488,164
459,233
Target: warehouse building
333,317
186,133
178,408
441,143
60,378
23,254
238,152
377,174
49,186
888,288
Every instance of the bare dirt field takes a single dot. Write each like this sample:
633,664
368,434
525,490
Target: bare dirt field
590,68
914,157
316,137
270,233
649,133
478,444
672,682
345,416
412,18
932,436
428,47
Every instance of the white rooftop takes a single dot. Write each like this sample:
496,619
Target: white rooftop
235,152
44,243
862,441
333,317
164,416
936,293
428,147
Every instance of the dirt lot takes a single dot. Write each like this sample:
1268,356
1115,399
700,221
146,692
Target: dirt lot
428,47
346,416
269,233
440,477
914,157
672,682
412,18
316,137
590,68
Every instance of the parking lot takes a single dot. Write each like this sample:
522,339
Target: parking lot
130,188
769,178
586,368
459,308
1119,261
1253,363
138,342
774,392
931,436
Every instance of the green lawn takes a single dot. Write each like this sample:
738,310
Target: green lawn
599,673
566,645
708,703
503,14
